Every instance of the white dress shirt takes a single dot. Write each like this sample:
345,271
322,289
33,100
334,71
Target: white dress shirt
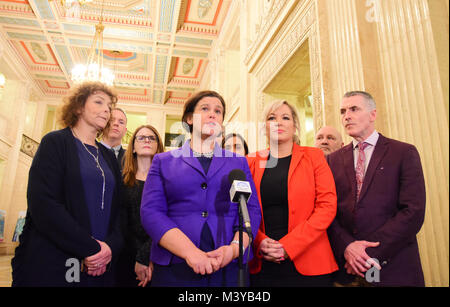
372,141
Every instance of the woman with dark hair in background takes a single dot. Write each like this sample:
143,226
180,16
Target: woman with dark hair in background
73,195
235,142
135,258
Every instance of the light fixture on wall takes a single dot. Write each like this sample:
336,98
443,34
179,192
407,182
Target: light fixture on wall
94,70
2,80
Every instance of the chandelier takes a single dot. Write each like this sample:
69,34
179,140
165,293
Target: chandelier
94,70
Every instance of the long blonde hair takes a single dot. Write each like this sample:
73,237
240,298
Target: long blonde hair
275,105
130,166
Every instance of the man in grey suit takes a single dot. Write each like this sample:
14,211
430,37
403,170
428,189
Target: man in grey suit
381,202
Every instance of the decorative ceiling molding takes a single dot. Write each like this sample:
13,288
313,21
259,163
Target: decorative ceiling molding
156,39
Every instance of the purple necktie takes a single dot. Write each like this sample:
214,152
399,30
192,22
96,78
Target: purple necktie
360,167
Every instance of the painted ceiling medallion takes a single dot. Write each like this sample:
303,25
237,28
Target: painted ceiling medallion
38,51
203,7
188,65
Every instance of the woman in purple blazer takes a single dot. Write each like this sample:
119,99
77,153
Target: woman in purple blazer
186,207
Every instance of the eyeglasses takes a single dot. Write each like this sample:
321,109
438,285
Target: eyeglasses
142,138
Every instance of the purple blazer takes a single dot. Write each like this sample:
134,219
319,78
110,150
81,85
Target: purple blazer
178,194
391,209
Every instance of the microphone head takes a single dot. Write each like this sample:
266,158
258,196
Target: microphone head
236,174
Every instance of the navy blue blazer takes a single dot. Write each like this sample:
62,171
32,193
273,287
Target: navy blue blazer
57,226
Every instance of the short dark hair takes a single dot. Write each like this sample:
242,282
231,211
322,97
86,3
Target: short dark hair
191,103
230,135
105,131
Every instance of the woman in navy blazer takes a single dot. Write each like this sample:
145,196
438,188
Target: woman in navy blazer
73,197
186,206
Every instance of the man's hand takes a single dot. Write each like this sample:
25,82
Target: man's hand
358,262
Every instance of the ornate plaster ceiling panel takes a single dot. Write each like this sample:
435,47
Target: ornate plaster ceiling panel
158,49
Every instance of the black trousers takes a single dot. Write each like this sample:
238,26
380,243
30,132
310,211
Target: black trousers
286,275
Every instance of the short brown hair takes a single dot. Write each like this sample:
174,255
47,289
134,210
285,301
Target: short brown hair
129,161
191,103
75,101
108,125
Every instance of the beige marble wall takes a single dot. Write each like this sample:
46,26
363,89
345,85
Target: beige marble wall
416,100
12,194
396,50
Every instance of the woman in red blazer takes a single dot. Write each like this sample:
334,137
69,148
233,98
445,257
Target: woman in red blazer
298,199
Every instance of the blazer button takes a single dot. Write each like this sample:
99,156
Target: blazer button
205,214
204,185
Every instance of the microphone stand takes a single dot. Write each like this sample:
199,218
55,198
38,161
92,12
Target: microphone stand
241,278
242,270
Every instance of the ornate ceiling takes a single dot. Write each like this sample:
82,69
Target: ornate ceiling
158,49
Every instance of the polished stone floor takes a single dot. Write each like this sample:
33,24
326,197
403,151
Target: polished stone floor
5,270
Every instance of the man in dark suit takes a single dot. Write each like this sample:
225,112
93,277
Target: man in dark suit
381,202
114,132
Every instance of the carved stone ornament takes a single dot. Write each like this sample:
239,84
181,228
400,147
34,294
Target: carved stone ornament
28,146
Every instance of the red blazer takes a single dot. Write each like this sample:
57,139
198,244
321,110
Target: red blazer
312,208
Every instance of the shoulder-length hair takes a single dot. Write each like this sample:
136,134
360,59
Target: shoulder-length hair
130,166
70,110
275,105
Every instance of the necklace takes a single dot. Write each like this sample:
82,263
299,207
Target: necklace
204,154
98,165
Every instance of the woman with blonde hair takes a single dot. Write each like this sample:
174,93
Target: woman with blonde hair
72,221
298,200
135,263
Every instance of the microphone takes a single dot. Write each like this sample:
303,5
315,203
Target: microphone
240,192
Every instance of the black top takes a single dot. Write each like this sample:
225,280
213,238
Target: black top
136,237
274,199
